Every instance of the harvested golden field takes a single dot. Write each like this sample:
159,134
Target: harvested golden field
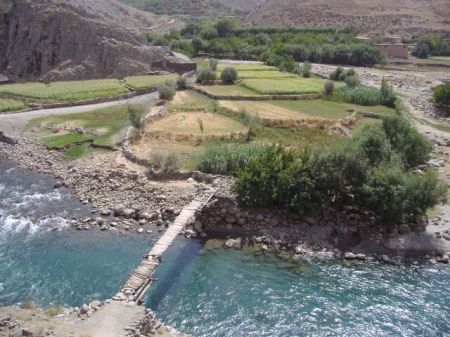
189,123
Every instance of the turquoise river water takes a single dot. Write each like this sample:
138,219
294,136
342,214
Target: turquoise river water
206,292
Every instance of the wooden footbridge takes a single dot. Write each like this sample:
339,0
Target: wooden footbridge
142,277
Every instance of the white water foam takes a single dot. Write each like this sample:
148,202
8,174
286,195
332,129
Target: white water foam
19,224
38,197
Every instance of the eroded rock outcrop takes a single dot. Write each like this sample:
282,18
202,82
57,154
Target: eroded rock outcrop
44,40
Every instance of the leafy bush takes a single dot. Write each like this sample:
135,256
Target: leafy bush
352,81
181,82
336,74
226,159
286,63
373,171
306,69
340,74
225,27
205,75
431,45
166,92
329,88
258,181
407,141
387,95
442,97
213,64
421,50
136,115
229,75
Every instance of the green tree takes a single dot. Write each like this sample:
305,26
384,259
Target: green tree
225,27
229,75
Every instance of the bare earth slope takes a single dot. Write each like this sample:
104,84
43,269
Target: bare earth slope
377,16
74,39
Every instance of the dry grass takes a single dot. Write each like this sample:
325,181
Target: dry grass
188,123
262,109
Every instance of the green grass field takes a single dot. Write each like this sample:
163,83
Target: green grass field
245,67
9,105
150,81
70,91
228,90
105,123
289,86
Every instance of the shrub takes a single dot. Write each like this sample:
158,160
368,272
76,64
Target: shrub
166,92
352,81
205,75
181,83
368,172
258,182
306,69
387,95
157,160
136,115
225,27
213,64
336,74
171,163
229,75
329,88
339,170
374,144
226,159
407,141
442,97
421,50
286,63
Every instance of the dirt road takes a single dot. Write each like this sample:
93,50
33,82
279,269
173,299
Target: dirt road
14,124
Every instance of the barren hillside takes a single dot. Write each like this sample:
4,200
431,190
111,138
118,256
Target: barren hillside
119,14
197,8
57,40
372,17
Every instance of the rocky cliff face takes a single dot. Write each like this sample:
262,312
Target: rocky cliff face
54,40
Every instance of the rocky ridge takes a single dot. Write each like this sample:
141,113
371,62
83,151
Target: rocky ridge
61,40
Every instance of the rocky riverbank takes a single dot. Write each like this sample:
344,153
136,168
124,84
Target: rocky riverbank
30,321
126,198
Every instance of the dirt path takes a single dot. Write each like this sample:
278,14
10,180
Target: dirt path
14,124
111,320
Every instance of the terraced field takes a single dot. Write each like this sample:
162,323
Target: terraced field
290,86
56,92
149,81
188,123
7,105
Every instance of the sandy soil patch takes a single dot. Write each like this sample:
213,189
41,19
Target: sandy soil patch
263,109
189,123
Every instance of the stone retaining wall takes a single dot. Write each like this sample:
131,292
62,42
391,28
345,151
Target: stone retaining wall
224,212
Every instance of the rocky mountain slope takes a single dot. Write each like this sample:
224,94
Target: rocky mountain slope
75,39
197,8
371,17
